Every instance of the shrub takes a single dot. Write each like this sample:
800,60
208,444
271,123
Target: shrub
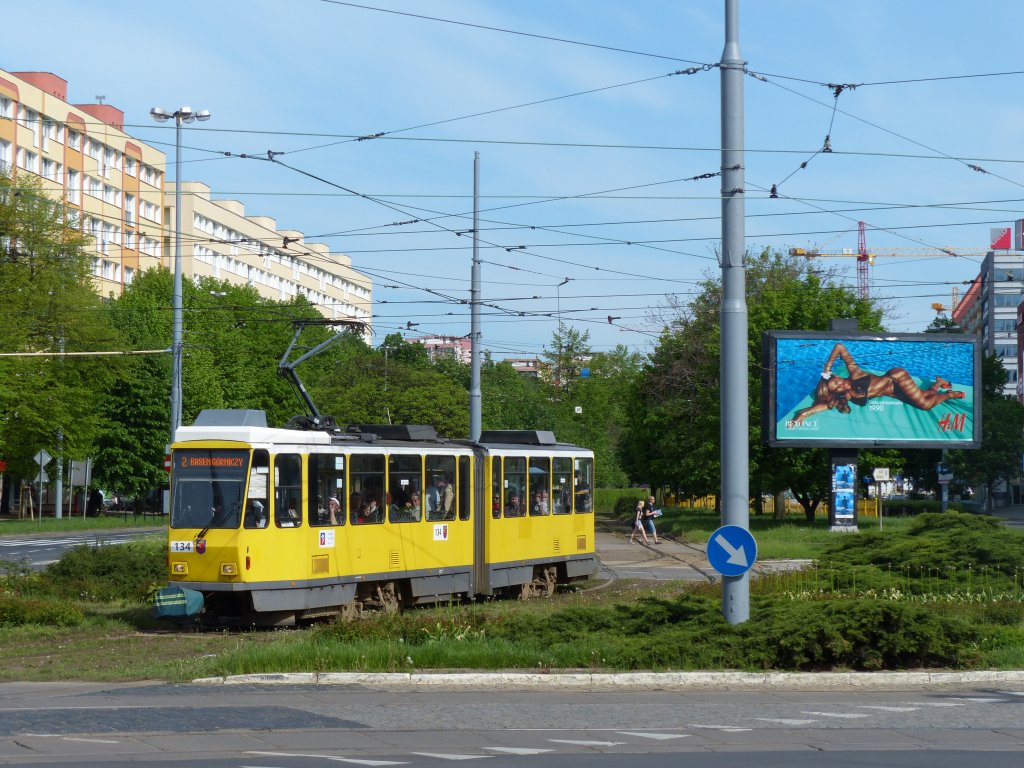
18,611
123,572
953,542
613,499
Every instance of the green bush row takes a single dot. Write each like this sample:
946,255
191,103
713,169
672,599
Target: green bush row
899,507
19,611
125,572
617,499
689,632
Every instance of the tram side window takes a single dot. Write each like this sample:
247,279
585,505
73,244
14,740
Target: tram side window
496,494
405,497
515,486
327,489
288,490
561,485
366,488
465,474
584,484
257,504
540,485
440,490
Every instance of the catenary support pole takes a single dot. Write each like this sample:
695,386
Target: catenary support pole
735,419
475,398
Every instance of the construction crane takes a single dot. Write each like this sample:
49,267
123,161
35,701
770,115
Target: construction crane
865,259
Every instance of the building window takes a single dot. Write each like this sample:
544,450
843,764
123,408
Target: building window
6,107
112,195
131,166
74,191
93,187
28,160
1008,299
30,120
5,156
149,211
52,170
1006,350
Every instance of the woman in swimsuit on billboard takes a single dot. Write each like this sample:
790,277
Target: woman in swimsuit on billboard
837,392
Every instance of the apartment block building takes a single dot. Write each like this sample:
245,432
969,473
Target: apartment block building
456,347
219,240
113,184
116,188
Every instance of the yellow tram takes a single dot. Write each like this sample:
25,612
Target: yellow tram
274,526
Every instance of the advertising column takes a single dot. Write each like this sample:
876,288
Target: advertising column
842,512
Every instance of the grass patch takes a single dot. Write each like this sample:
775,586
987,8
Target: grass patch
791,538
935,591
79,524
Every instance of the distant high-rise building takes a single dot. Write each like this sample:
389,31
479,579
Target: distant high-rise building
989,310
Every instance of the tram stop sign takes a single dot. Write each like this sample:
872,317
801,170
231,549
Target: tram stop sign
732,550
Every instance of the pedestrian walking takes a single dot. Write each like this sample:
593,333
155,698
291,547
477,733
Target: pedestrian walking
648,515
638,523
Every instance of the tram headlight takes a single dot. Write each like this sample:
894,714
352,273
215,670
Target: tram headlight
229,569
179,569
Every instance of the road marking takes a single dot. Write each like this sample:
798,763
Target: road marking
658,736
92,741
726,728
519,750
981,699
888,709
785,720
441,756
845,715
582,743
354,760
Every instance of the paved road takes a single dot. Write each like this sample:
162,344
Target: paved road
39,550
322,725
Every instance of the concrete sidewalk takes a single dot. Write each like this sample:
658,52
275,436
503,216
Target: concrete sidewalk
670,559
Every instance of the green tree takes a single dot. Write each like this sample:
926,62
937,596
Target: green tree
49,306
393,384
1002,435
569,353
674,438
595,409
511,400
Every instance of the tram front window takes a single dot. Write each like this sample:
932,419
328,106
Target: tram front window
207,487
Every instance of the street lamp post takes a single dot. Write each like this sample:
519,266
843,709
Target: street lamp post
183,115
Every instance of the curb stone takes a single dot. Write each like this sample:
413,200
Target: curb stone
655,681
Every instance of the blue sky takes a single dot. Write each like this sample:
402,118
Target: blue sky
598,188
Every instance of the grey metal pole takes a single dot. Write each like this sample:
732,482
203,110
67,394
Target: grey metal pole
176,341
475,398
735,427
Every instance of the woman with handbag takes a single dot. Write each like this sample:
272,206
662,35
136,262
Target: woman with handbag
638,523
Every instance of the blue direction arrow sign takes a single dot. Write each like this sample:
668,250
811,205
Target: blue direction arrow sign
732,550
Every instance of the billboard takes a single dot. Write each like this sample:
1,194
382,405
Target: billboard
827,389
